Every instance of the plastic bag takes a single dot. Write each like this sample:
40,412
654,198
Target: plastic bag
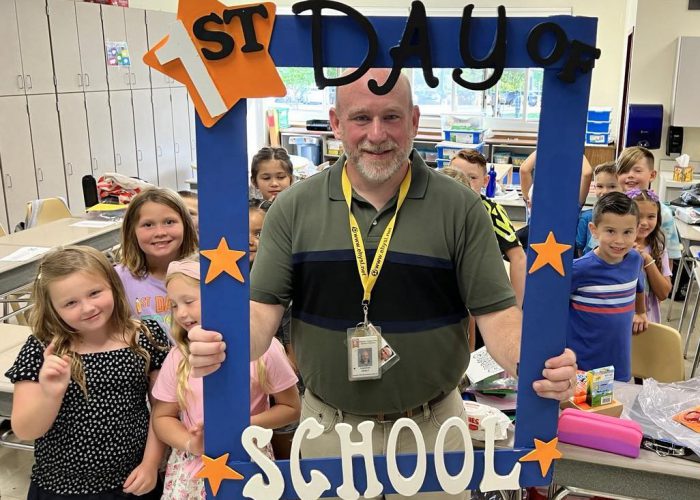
660,402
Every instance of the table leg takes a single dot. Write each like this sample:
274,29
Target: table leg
691,325
676,284
691,283
696,360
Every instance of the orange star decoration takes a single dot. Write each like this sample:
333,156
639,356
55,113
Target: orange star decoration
222,260
220,53
215,470
544,453
549,252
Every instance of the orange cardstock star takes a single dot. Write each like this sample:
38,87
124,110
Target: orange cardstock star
240,67
215,470
549,252
223,260
544,453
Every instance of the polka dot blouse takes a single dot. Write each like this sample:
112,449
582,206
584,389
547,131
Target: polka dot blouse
95,443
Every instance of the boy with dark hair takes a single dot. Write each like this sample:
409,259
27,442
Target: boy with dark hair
605,181
607,290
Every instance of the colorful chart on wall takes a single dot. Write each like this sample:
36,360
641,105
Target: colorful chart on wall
117,54
226,54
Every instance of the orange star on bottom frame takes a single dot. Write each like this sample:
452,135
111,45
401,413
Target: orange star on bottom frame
544,453
215,470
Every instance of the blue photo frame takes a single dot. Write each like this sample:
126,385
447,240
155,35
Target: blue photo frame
222,160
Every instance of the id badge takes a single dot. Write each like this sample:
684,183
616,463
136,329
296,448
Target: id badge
363,353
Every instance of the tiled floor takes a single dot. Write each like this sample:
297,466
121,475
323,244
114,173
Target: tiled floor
15,465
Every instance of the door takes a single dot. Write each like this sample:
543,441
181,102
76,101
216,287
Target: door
145,137
138,46
16,158
11,73
35,45
181,136
64,46
123,130
165,147
92,46
76,146
100,133
118,73
46,138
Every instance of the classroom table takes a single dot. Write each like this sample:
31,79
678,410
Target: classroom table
52,234
688,235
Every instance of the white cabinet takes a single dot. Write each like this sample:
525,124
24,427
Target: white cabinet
193,130
76,146
26,66
118,76
16,158
157,24
138,45
145,136
46,138
165,147
100,132
92,46
123,132
685,105
181,136
65,46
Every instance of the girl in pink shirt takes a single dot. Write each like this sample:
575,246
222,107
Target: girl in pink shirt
178,410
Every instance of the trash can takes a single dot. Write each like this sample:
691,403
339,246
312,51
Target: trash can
308,146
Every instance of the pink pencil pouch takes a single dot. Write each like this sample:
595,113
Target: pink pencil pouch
600,432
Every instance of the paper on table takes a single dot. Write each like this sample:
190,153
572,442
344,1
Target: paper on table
25,253
481,366
93,223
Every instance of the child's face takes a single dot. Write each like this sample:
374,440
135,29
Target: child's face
84,301
473,171
255,224
184,298
192,205
605,183
159,231
616,235
648,218
639,176
272,179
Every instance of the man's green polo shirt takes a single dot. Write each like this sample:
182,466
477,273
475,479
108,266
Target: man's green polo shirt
443,259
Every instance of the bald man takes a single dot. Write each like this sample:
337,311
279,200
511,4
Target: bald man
442,259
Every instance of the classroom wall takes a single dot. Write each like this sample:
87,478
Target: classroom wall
658,26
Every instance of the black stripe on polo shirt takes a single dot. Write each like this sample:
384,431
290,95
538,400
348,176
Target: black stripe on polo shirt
413,292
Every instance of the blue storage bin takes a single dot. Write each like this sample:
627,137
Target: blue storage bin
599,114
598,127
597,138
446,149
442,163
464,136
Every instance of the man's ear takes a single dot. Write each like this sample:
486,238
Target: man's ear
335,123
415,118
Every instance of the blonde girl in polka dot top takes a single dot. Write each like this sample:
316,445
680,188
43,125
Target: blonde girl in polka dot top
82,381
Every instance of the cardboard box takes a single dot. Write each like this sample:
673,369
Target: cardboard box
600,386
613,409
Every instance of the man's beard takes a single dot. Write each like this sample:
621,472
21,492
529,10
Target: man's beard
379,171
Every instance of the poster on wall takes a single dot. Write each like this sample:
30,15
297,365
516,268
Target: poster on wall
117,54
118,3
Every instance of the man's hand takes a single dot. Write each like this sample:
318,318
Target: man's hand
559,377
207,351
639,324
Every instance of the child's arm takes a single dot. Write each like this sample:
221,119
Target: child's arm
144,477
518,260
170,429
640,322
586,176
35,405
659,284
526,168
287,409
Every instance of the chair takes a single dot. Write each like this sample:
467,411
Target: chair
46,210
656,353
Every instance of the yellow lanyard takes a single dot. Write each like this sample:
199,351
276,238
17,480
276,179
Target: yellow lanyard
369,279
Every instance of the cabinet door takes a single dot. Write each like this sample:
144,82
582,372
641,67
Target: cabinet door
165,148
11,73
145,138
114,29
76,146
138,46
181,136
46,138
92,46
123,130
193,130
100,133
157,24
35,45
65,46
16,157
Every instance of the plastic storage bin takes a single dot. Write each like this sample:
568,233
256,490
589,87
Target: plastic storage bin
441,163
464,136
447,149
598,127
501,158
596,138
517,159
599,114
462,122
307,146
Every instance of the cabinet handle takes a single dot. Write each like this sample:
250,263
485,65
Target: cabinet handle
29,81
69,166
134,78
177,148
41,174
159,150
93,164
118,158
20,81
9,180
139,155
80,80
126,78
87,80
